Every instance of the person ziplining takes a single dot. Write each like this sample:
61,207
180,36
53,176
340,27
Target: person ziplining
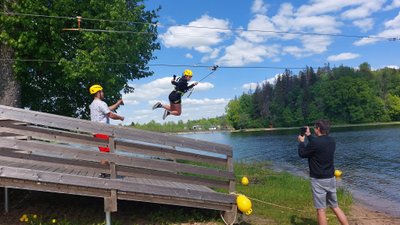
175,97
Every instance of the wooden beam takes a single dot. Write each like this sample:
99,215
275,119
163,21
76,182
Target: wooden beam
78,125
120,185
73,153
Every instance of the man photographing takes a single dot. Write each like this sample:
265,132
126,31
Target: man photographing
320,151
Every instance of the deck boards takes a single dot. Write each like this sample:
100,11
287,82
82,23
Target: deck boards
45,152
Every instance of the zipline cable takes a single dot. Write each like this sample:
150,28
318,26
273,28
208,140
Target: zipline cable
162,65
213,69
199,27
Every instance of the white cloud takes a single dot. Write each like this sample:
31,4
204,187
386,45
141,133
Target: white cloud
283,20
250,86
294,50
395,4
206,101
393,67
262,23
364,9
155,89
148,91
193,36
319,24
365,41
353,9
266,35
259,7
343,56
364,24
189,56
311,45
319,7
316,44
191,109
392,31
243,52
394,23
253,85
213,55
203,49
203,86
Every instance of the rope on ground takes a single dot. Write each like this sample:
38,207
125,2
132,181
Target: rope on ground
233,220
272,204
276,205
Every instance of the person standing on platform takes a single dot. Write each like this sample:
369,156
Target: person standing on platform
99,111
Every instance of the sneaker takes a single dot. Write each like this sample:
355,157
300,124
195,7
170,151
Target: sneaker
157,105
166,113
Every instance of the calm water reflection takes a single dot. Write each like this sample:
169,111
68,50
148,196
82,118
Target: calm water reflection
368,157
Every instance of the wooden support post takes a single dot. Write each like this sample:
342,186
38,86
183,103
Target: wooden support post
232,183
113,169
108,218
110,203
229,217
6,200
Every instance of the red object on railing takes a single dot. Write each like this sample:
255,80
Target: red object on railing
102,136
104,149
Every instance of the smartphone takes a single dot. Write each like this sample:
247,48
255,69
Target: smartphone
303,131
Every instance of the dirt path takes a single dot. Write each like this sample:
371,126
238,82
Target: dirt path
360,215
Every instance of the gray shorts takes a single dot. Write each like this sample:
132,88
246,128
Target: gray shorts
324,192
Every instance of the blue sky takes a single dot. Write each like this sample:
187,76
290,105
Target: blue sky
242,35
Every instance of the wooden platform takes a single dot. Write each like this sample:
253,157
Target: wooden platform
51,153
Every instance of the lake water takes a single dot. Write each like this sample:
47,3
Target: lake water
368,157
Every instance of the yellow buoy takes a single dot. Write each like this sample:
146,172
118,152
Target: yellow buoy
244,204
245,181
338,173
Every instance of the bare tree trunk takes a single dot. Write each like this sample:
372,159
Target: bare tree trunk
10,88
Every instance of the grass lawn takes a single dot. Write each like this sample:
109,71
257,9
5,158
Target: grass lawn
277,198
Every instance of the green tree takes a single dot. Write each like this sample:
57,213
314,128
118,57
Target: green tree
56,67
393,105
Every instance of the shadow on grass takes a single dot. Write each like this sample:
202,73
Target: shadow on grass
296,220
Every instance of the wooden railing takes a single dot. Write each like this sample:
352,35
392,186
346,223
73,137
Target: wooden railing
40,151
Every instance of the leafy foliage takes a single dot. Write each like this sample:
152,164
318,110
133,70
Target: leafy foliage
56,67
342,94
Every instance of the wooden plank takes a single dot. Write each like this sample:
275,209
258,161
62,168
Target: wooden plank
25,174
31,170
68,152
53,187
94,169
79,125
30,162
50,134
54,135
174,201
76,190
169,153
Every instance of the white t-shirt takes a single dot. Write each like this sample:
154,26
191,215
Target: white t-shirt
99,111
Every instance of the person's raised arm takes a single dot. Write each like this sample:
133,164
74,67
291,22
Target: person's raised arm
115,106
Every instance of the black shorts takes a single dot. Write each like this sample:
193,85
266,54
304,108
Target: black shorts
175,97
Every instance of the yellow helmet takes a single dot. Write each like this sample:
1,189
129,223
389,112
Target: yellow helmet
188,73
244,204
95,88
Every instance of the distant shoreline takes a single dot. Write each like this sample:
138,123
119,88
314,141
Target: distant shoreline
286,128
